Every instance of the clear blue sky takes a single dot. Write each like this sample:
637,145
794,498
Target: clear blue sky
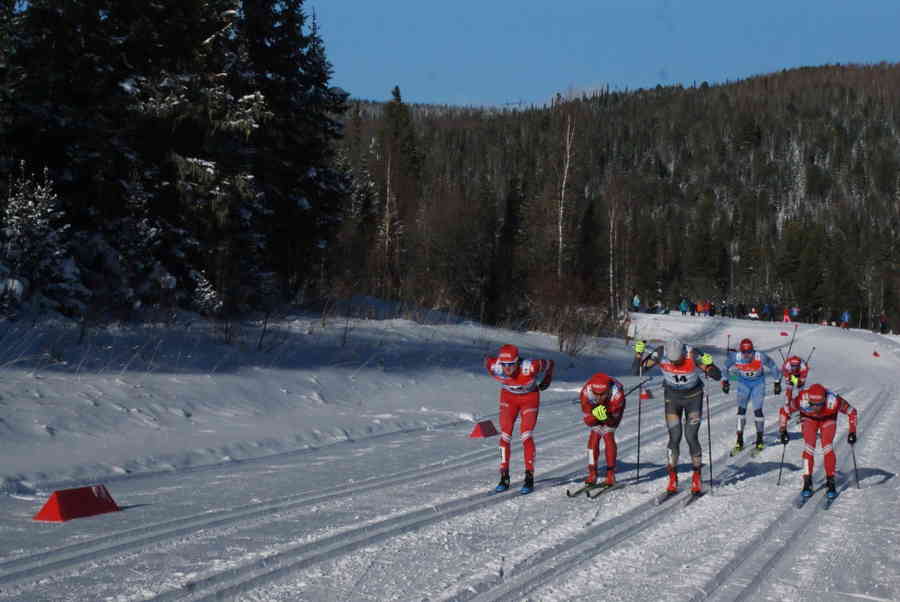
467,52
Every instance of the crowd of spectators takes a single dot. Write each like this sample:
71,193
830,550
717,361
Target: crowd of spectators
767,312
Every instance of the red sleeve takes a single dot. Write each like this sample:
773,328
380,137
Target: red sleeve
587,406
786,410
845,408
616,405
489,364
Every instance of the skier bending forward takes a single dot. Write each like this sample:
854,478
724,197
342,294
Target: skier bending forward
602,403
522,381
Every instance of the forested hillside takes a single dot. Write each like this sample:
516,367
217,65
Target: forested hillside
780,189
194,154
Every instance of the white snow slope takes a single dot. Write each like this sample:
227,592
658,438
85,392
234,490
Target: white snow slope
335,464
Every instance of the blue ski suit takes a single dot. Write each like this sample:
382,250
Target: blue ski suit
748,371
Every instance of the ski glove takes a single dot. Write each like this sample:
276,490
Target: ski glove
599,413
795,380
726,386
783,437
713,372
777,387
706,359
640,346
544,384
851,438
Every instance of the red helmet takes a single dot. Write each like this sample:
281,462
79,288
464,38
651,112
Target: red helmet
746,345
816,394
600,384
794,361
508,354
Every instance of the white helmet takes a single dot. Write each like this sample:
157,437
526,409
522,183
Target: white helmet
674,350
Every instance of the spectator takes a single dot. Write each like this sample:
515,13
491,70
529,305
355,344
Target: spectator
684,306
766,314
753,315
883,323
845,319
787,316
795,313
635,302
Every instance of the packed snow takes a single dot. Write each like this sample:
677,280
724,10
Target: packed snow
327,458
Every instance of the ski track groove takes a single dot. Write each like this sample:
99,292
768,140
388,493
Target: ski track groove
243,578
790,533
545,565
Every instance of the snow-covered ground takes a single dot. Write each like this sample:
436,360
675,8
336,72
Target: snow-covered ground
332,462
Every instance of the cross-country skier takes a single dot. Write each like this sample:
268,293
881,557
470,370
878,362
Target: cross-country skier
819,408
683,393
603,403
522,381
794,371
748,368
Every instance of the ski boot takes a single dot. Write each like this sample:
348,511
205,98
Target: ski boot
673,481
739,445
831,492
610,477
807,486
503,485
695,482
528,483
591,479
759,442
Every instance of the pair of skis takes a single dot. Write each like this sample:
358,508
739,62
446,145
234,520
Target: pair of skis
803,499
666,495
593,490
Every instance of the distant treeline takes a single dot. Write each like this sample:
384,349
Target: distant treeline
783,187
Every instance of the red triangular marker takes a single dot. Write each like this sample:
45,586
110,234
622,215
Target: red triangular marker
485,428
67,504
784,334
875,353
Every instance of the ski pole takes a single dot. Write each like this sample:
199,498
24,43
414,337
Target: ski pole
638,467
709,443
631,390
810,354
792,340
781,466
855,469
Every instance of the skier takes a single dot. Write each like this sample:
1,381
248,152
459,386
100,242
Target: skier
683,396
522,381
748,367
794,371
819,408
603,403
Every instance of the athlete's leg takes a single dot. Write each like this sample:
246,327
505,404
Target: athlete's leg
828,428
809,429
593,450
673,422
757,395
742,397
509,410
526,427
694,412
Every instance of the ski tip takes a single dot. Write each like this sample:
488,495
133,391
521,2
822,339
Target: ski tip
525,490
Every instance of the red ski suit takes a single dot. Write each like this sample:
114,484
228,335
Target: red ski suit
787,371
520,393
818,419
614,402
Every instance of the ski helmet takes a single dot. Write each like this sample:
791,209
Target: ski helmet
600,384
509,354
816,394
674,350
746,345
